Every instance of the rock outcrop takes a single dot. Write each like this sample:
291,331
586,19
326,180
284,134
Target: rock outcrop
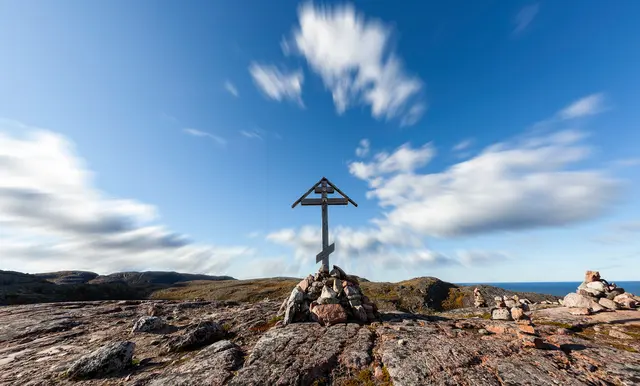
328,299
230,343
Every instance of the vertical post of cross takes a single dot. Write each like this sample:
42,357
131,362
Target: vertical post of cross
324,187
325,226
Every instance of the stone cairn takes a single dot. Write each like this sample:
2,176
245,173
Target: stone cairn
510,308
328,298
478,299
596,294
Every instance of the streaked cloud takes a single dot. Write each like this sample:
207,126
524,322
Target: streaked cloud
54,218
524,17
231,88
276,84
463,145
203,134
589,105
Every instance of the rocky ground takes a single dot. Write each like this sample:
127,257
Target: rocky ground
215,343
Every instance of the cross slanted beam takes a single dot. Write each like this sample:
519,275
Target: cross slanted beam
324,187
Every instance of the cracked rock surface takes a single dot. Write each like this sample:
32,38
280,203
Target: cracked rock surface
242,344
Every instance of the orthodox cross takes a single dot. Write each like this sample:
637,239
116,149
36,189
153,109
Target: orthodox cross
324,187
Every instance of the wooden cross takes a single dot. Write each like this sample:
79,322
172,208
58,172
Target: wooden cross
324,187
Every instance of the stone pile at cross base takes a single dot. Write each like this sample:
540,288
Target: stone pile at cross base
596,295
328,298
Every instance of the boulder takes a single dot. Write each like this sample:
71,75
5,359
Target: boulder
329,314
517,313
328,296
148,324
305,283
574,300
510,303
196,336
500,314
591,276
360,313
108,359
627,302
597,285
610,304
338,273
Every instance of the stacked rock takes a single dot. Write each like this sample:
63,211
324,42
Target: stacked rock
596,294
328,298
509,308
478,299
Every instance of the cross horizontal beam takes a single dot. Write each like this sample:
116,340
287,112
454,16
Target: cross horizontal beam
330,201
325,252
318,189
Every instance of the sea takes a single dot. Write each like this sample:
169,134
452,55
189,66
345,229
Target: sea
560,288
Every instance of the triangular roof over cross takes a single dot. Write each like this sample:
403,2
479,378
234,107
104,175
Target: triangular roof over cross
345,200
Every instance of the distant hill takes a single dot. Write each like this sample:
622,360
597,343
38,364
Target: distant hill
23,288
423,294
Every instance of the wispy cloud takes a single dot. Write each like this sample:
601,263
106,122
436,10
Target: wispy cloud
363,148
253,134
231,88
462,145
276,84
589,105
524,17
198,133
626,162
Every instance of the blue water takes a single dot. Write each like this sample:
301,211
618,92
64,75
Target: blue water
557,288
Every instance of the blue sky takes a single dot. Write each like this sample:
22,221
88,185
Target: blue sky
484,141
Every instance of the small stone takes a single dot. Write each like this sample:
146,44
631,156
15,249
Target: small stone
527,329
619,335
328,296
337,272
563,331
305,283
610,304
378,373
580,311
535,342
360,313
510,303
337,286
108,359
596,285
196,336
517,313
590,276
482,331
501,314
148,324
402,342
628,303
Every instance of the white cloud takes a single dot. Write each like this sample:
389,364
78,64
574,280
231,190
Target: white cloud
589,105
276,84
404,159
525,17
53,218
354,58
203,134
231,88
463,145
363,148
382,246
506,187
